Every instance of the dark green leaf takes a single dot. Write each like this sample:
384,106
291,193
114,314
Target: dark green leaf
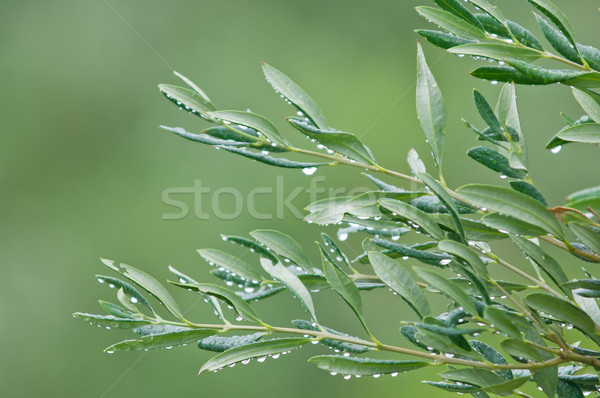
541,258
407,251
448,288
383,185
262,293
491,355
335,344
568,390
164,340
451,23
431,109
442,39
223,343
553,13
474,230
284,245
458,388
271,160
231,263
561,310
129,290
495,161
345,144
250,244
496,73
203,138
587,236
431,204
334,250
543,75
591,55
400,281
487,114
474,376
364,366
447,331
456,8
529,190
416,216
253,121
283,85
512,203
254,350
115,310
149,284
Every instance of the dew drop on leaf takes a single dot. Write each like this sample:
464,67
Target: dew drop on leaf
556,149
309,170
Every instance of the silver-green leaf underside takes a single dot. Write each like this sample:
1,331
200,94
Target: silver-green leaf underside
163,340
364,366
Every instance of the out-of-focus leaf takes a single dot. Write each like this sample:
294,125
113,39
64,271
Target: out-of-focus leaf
253,350
589,237
415,163
364,366
224,343
451,23
587,133
254,121
508,115
529,190
495,161
284,245
448,288
496,51
231,263
163,340
584,198
400,281
431,109
292,282
345,144
515,204
283,85
148,283
416,216
588,104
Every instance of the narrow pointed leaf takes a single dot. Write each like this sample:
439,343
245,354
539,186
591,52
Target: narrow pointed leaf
408,251
250,244
335,344
431,109
127,289
188,99
411,213
529,190
448,288
149,284
341,142
115,310
474,376
491,10
491,355
541,258
334,249
253,350
442,39
223,343
502,322
451,23
384,186
508,115
587,133
271,160
364,366
543,75
511,225
254,121
588,103
400,281
464,252
557,17
111,321
164,340
231,263
495,161
415,163
587,236
515,204
456,8
502,74
474,230
487,114
283,85
284,245
292,282
561,310
496,51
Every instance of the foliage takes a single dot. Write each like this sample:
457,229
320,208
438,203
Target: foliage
495,336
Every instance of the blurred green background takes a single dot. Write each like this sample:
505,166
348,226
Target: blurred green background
83,168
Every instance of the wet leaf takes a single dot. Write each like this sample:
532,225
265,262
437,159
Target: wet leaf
231,263
451,23
416,216
448,288
253,121
163,340
364,366
511,225
442,39
587,236
495,161
224,343
335,344
496,51
285,246
529,190
111,321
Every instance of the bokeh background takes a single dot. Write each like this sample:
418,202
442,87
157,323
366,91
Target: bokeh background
83,168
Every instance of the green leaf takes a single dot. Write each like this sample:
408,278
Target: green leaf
495,161
445,198
254,350
115,310
584,198
271,160
558,41
335,344
587,133
407,251
241,307
521,349
568,390
448,288
491,355
442,39
415,163
465,253
192,85
508,224
547,380
206,138
591,55
508,115
250,244
431,109
502,322
416,216
111,321
345,144
222,343
451,23
188,99
541,258
590,106
254,121
492,11
515,204
529,190
456,8
127,289
262,292
507,387
231,263
473,376
496,73
364,366
496,51
543,75
474,230
457,388
345,288
562,310
587,236
285,246
384,186
556,16
292,282
487,114
447,331
334,250
149,284
431,204
400,281
164,340
283,85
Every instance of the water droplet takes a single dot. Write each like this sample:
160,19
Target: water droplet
299,113
100,280
376,375
346,354
445,261
134,300
347,377
110,352
502,176
229,283
246,361
342,236
169,347
461,55
112,286
231,365
395,237
261,359
394,374
249,290
238,318
333,373
494,82
556,149
314,342
309,170
320,146
404,257
275,356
